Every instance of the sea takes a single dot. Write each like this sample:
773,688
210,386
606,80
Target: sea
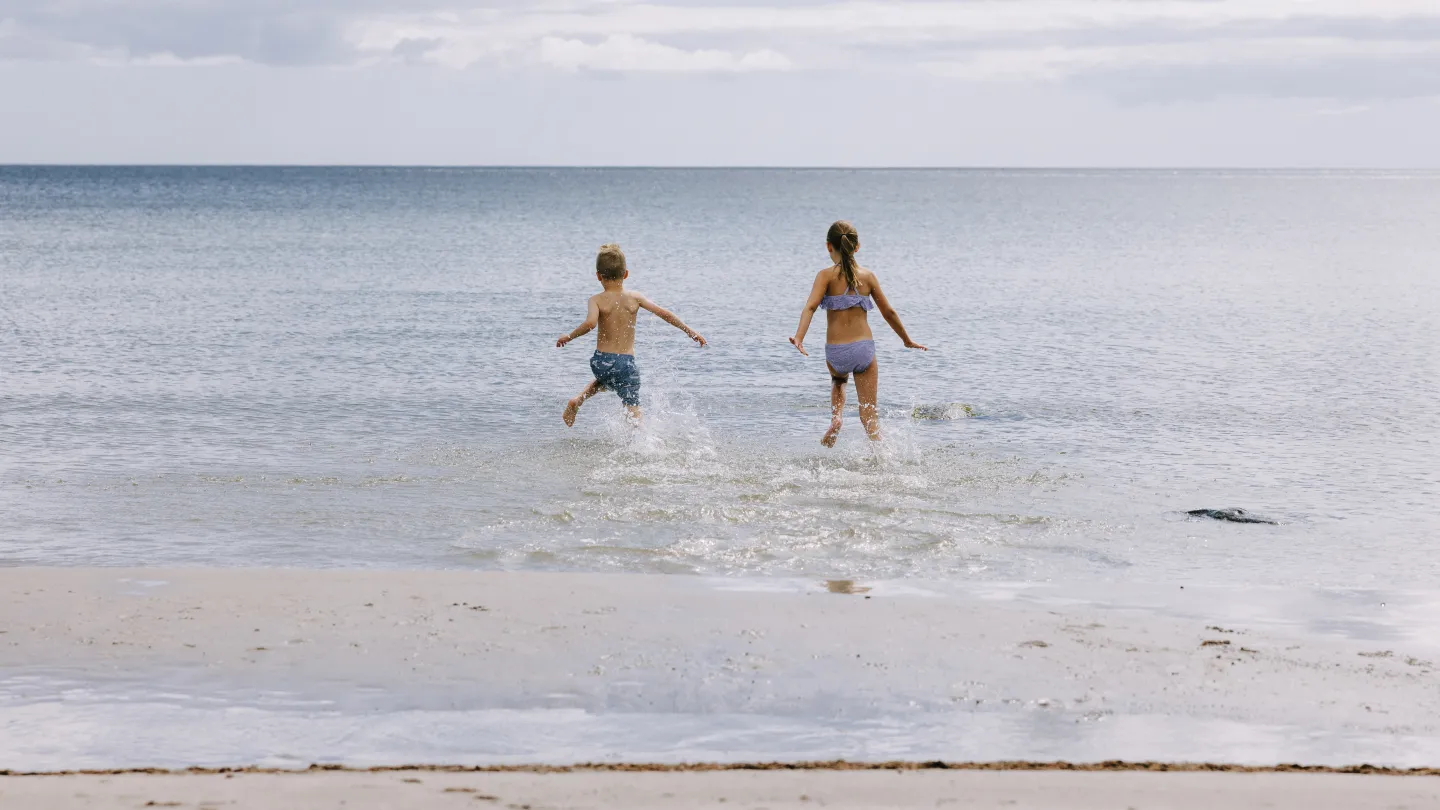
323,368
356,368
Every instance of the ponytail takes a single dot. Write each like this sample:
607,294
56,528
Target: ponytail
846,240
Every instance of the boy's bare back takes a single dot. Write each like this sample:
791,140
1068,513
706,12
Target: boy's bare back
615,311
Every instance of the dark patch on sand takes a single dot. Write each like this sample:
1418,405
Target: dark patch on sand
830,765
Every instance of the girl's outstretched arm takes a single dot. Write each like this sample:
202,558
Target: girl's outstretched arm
817,292
891,316
668,317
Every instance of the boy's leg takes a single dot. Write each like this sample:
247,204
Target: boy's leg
867,389
573,406
837,406
627,385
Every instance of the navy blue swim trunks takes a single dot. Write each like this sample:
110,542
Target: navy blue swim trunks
618,373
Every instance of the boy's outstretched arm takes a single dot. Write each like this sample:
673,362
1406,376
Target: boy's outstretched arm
892,317
669,317
592,320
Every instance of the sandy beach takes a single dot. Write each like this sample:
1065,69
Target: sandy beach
113,668
1017,790
568,640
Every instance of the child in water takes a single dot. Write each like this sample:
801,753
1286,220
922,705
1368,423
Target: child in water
614,311
844,290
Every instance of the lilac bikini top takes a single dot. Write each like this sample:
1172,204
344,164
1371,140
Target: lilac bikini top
849,300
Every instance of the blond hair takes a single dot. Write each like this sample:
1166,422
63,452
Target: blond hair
610,262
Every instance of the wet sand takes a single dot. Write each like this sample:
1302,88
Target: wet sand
617,646
1013,790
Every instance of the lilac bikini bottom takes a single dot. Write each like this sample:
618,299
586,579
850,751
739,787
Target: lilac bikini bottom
847,357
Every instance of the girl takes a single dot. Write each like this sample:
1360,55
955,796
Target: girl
844,289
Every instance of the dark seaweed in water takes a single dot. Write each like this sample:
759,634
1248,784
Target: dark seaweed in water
1233,515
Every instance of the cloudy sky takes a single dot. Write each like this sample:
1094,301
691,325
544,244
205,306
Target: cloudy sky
612,82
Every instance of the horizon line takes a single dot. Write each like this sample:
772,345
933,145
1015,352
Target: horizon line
701,167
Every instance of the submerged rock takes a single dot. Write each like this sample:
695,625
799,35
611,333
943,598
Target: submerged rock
952,410
1233,515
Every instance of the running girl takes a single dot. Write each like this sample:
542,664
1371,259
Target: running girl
845,290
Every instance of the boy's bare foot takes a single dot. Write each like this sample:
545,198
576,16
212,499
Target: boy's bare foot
571,409
832,434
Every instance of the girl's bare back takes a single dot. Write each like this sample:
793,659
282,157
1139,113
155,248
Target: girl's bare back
848,325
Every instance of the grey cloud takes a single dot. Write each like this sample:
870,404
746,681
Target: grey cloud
1404,30
26,47
260,32
1341,78
1415,28
308,32
1336,76
274,32
313,32
1399,29
414,49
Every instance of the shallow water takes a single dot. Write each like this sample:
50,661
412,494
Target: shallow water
355,367
94,731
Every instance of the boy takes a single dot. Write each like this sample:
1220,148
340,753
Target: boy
614,311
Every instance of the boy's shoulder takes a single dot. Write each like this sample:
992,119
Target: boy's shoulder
630,297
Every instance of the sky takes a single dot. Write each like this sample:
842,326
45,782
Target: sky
1026,83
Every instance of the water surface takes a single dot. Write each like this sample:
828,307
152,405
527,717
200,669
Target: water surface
355,367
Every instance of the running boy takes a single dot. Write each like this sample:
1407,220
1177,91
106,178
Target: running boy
614,311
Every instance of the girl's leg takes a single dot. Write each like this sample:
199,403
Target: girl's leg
837,407
573,406
867,388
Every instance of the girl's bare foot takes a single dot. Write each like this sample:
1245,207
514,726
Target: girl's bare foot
571,408
832,434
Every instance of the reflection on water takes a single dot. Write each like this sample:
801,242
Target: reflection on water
1408,616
